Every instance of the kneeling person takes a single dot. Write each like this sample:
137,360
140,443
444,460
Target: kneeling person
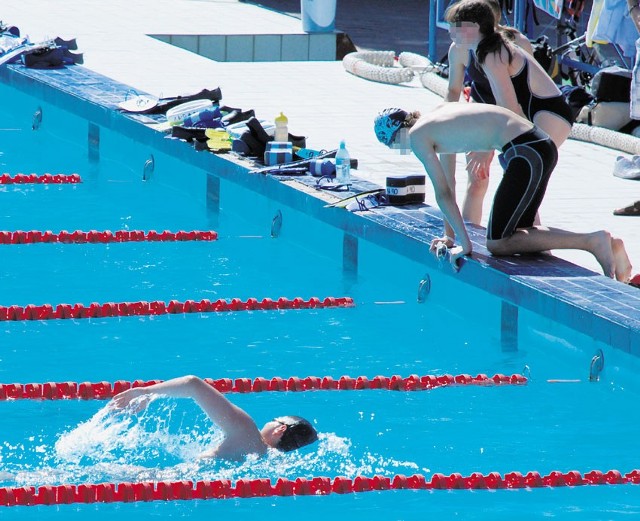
528,157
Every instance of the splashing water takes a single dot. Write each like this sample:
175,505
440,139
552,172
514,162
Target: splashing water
163,442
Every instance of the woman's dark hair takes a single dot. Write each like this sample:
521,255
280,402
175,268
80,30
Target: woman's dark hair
298,434
481,13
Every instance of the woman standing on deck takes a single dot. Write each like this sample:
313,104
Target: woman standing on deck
463,68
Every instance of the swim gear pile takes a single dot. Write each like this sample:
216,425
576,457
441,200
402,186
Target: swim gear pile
387,124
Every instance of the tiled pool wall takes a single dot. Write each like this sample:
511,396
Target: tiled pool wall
595,307
257,47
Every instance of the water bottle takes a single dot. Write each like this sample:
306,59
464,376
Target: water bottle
282,132
343,165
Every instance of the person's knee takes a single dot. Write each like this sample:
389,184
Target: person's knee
477,187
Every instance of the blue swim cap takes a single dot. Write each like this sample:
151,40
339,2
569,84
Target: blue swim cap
387,123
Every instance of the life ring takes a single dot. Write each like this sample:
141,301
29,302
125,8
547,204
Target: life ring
382,66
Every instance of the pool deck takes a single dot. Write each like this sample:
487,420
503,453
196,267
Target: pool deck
326,104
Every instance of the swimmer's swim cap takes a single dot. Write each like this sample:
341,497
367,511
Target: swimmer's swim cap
387,124
298,434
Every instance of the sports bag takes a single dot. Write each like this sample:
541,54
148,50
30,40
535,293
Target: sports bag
612,84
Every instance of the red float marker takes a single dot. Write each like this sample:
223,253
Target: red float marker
8,179
314,486
159,307
106,236
106,390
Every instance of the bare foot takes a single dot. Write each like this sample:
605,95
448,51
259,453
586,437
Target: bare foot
601,247
622,262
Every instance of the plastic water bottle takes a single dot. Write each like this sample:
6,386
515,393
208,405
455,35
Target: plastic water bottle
282,132
343,165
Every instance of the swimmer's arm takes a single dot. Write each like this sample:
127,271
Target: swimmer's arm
448,162
230,418
497,71
445,197
457,62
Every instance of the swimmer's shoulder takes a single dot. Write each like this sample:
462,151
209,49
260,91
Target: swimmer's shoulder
231,449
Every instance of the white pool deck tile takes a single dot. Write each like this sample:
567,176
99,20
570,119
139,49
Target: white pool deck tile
321,100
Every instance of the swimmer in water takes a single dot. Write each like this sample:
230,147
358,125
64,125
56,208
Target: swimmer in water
241,434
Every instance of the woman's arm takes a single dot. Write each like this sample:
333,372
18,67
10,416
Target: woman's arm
458,57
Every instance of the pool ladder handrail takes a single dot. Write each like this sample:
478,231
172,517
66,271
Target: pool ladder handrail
596,366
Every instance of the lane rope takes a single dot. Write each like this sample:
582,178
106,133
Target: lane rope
126,492
106,390
159,307
8,179
106,236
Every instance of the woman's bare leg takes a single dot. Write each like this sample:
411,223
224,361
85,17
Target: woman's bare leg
474,198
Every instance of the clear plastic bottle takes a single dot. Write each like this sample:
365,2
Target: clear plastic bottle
282,131
343,165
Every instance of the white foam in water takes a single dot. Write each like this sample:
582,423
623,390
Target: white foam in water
156,434
161,444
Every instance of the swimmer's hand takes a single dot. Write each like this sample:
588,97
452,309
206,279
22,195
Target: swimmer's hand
135,399
436,244
479,164
454,254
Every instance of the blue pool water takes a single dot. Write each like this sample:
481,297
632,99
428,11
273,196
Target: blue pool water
542,426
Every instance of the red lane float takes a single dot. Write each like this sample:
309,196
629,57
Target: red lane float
159,307
106,390
317,486
106,236
8,179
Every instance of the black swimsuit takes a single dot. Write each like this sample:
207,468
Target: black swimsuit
480,86
528,161
530,103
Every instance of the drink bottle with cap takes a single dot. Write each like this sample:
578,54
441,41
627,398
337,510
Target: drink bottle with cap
282,131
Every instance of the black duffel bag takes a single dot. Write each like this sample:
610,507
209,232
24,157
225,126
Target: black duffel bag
612,84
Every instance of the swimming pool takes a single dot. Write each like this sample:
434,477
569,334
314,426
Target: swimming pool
542,426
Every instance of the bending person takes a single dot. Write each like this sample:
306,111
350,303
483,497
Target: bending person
528,156
463,68
516,80
242,436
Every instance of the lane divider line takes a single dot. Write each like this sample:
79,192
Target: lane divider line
106,236
126,492
8,179
159,307
106,390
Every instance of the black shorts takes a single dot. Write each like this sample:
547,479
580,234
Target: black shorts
528,161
